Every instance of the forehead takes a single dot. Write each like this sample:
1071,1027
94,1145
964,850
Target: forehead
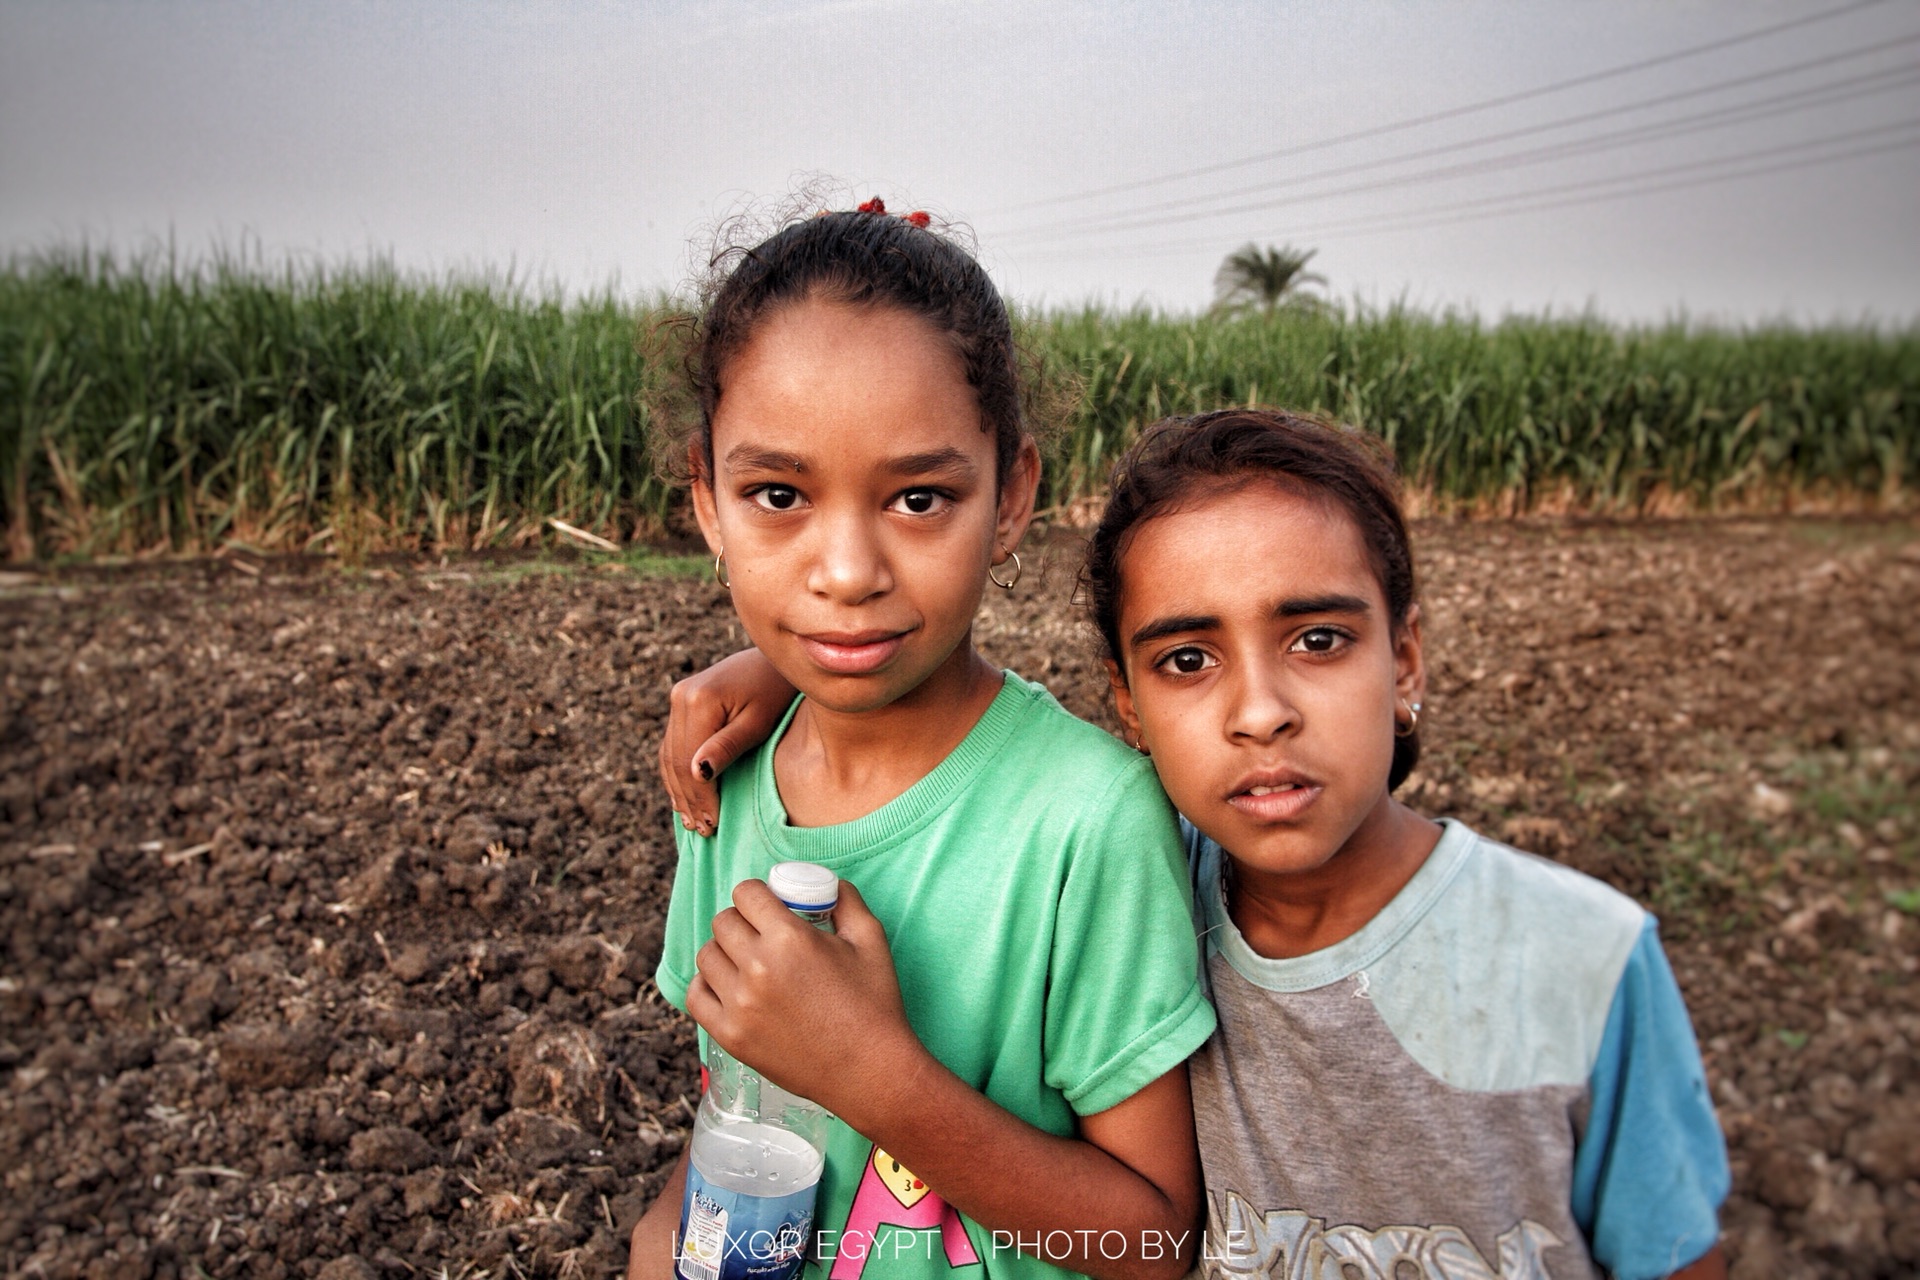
1242,552
821,379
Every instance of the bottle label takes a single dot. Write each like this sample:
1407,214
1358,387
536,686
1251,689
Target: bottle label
731,1235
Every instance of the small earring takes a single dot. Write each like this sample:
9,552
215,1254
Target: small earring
1008,584
1413,720
720,571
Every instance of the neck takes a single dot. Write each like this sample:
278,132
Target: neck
835,766
1286,914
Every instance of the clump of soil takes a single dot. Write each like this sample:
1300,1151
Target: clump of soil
331,903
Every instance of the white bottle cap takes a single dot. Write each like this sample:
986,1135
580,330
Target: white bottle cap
804,886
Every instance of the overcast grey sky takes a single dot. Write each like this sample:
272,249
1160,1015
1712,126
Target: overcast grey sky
588,142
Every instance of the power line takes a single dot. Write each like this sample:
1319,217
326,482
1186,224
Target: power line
1559,196
1140,216
1452,113
1718,117
1784,166
1406,222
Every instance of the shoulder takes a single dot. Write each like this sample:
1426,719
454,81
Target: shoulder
1508,980
1546,905
1080,768
1046,728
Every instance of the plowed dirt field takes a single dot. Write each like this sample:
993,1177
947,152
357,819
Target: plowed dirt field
330,900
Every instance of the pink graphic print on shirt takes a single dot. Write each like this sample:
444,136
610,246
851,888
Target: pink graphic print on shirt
891,1196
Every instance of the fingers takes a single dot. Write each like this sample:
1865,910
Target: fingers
674,751
699,995
701,783
741,967
853,922
752,941
735,934
694,714
758,905
697,782
697,712
702,1005
679,794
713,718
714,757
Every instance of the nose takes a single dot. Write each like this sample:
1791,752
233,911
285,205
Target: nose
850,563
1260,709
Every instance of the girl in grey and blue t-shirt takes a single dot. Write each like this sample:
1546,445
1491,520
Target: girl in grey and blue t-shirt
1437,1056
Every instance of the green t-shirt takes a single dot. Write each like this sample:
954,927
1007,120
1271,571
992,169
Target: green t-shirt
1035,895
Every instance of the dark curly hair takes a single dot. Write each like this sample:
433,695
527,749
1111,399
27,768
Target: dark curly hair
863,258
1179,461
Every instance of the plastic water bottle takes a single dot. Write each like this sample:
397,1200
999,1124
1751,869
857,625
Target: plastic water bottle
757,1150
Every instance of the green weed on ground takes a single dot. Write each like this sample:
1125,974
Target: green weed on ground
1748,836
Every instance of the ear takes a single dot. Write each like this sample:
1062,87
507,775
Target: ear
705,509
1123,703
1017,496
1409,659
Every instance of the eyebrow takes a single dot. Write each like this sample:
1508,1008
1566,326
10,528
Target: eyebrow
1162,627
1296,607
945,459
746,457
1304,605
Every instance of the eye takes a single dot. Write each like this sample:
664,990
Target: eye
1320,640
1186,661
922,502
775,497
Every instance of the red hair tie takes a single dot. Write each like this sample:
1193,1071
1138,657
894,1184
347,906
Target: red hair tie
918,218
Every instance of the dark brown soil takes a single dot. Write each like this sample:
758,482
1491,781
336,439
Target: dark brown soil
330,901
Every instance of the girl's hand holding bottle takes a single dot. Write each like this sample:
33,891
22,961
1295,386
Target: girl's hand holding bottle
819,1014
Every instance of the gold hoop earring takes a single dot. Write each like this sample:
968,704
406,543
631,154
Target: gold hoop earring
720,571
1008,584
1413,720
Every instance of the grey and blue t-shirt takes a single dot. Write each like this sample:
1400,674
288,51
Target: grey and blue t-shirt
1495,1077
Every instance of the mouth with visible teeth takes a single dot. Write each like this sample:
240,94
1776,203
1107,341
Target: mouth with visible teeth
1274,799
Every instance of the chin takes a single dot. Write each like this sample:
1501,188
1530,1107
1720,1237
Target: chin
852,694
851,702
1282,851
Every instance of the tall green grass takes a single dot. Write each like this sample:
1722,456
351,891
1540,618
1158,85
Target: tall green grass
148,405
151,406
1528,414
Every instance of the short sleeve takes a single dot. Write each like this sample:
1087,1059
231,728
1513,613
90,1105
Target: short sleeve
1124,1001
686,928
1650,1171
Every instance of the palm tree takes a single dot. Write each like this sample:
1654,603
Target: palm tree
1266,278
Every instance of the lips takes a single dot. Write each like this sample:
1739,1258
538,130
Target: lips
1274,796
852,653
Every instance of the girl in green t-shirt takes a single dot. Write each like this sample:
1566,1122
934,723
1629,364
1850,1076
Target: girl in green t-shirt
860,468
